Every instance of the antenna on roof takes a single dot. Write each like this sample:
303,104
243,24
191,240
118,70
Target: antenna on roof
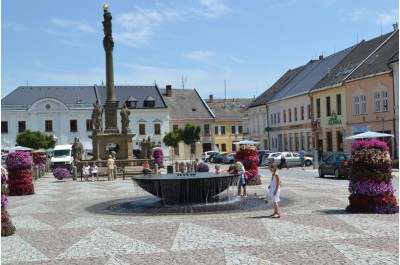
183,82
102,82
225,88
380,21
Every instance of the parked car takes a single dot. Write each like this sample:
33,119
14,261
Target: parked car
211,157
217,158
337,164
292,159
264,160
261,154
206,155
229,158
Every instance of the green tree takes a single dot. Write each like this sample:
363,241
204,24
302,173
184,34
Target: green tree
172,139
190,135
35,140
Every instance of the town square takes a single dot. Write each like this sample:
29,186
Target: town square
202,132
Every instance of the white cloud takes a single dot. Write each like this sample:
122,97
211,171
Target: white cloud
282,3
212,58
213,8
388,18
201,56
13,27
72,25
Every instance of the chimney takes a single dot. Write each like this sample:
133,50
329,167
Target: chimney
321,57
169,90
211,99
395,26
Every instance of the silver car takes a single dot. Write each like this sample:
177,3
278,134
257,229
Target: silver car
292,159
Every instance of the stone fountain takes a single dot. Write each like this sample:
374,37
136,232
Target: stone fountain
186,188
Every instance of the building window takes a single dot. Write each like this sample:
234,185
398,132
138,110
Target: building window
157,128
377,102
279,117
290,115
302,112
4,127
48,124
295,114
206,128
328,106
339,104
21,126
89,125
318,108
175,128
240,129
309,111
142,129
363,104
73,125
274,118
223,147
356,105
216,130
222,129
384,101
233,129
284,116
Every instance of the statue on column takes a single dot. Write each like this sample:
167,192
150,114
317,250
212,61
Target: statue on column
77,149
108,42
125,119
97,116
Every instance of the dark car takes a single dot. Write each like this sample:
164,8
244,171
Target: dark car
337,164
211,156
260,154
217,158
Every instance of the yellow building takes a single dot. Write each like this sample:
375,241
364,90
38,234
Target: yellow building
228,125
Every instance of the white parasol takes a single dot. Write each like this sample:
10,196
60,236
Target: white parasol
246,142
369,134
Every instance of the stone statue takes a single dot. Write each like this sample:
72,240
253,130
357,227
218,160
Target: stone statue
149,146
108,42
97,116
125,119
77,149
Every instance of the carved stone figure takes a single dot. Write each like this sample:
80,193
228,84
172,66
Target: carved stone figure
77,149
125,119
97,116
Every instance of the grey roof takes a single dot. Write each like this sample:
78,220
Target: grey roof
67,94
349,63
394,58
270,92
186,104
140,93
310,75
228,109
377,62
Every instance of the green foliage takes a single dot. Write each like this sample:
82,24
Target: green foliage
190,134
35,140
171,139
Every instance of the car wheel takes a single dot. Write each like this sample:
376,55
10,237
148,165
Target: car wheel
321,175
308,163
337,175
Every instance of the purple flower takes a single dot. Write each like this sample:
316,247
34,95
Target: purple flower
61,173
4,201
371,188
19,160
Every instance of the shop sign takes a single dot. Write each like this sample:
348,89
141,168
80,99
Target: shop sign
334,120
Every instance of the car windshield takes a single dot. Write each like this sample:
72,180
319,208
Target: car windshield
275,155
60,153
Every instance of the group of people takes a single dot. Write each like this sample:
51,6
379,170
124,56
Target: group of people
274,188
93,170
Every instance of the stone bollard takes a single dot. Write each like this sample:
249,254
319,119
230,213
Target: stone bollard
115,172
155,169
188,168
74,173
35,172
42,170
176,166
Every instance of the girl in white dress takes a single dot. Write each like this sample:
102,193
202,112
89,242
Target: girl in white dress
274,189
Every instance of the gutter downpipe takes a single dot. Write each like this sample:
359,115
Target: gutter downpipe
269,142
315,151
394,118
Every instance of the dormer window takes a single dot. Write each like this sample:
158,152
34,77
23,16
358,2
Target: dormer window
131,102
149,102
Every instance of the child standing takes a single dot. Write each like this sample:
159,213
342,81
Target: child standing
243,179
274,190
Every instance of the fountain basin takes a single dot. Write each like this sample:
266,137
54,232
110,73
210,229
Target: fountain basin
186,188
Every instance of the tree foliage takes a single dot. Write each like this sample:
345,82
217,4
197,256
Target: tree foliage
172,139
35,140
190,134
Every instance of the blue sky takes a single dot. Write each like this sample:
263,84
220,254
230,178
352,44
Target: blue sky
250,44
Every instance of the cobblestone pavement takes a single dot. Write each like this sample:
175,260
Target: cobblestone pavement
55,227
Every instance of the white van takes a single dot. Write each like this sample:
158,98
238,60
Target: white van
62,156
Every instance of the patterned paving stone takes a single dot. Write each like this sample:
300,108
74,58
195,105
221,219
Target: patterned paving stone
191,236
104,242
116,261
95,222
235,257
30,208
27,222
15,249
370,225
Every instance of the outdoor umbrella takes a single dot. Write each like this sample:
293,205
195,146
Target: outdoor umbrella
20,148
369,134
246,142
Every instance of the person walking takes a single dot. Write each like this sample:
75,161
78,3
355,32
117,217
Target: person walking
302,158
110,168
274,190
283,161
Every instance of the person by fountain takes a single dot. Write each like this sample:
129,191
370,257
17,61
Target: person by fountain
146,168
